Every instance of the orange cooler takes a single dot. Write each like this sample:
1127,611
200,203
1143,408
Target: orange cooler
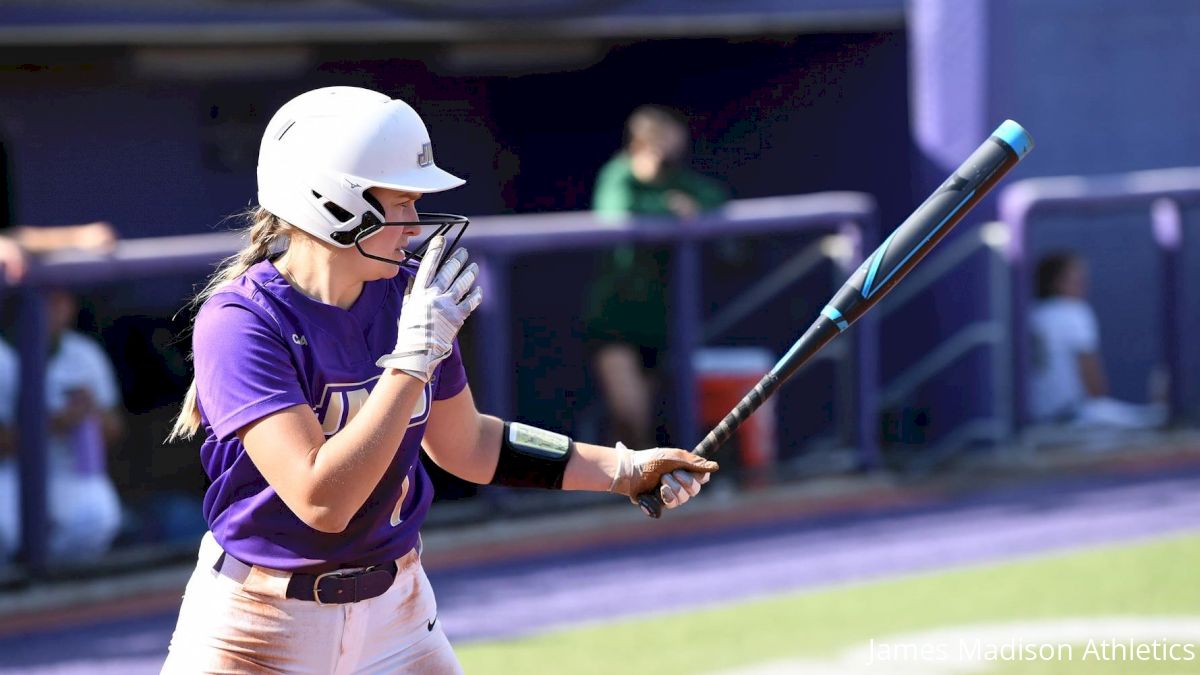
724,375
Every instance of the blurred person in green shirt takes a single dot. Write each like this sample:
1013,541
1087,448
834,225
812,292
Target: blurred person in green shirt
626,316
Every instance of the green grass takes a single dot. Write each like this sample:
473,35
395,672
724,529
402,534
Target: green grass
1156,578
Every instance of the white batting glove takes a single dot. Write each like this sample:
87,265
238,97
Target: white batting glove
678,474
436,304
680,486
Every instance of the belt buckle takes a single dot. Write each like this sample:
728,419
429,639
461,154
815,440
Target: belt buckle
317,586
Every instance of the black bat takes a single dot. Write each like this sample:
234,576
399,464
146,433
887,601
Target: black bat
879,273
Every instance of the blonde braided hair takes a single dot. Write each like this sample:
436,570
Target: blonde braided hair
265,232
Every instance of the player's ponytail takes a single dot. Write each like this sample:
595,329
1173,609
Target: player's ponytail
265,233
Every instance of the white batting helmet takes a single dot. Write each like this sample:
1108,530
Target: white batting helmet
323,149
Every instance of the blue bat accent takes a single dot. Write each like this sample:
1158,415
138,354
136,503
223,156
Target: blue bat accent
868,291
1015,137
836,317
782,363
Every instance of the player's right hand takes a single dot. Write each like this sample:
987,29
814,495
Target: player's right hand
438,300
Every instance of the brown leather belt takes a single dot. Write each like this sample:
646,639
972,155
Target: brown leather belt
338,587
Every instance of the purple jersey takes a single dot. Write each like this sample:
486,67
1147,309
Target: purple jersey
262,346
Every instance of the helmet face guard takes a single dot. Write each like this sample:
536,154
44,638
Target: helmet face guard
443,222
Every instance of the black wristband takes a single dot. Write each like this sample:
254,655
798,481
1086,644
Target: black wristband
532,457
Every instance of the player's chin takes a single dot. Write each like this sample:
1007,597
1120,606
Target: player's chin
390,270
386,270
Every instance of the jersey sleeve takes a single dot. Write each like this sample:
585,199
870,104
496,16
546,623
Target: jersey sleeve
452,377
613,195
243,368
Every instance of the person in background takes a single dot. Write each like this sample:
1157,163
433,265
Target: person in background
1068,383
12,260
83,402
626,315
81,393
18,243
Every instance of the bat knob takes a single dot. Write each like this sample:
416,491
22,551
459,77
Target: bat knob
651,504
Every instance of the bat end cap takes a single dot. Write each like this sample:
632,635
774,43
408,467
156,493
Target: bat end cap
1014,136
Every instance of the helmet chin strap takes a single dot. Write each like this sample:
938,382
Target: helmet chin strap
445,222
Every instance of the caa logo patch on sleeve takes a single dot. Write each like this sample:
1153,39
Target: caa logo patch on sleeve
340,402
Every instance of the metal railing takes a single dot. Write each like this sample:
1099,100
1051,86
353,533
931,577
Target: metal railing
990,332
494,241
1161,192
836,247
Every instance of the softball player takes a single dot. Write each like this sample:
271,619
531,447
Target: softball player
325,358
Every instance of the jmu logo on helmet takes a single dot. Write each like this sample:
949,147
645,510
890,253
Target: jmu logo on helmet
425,158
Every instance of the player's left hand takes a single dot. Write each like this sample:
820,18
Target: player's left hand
678,474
